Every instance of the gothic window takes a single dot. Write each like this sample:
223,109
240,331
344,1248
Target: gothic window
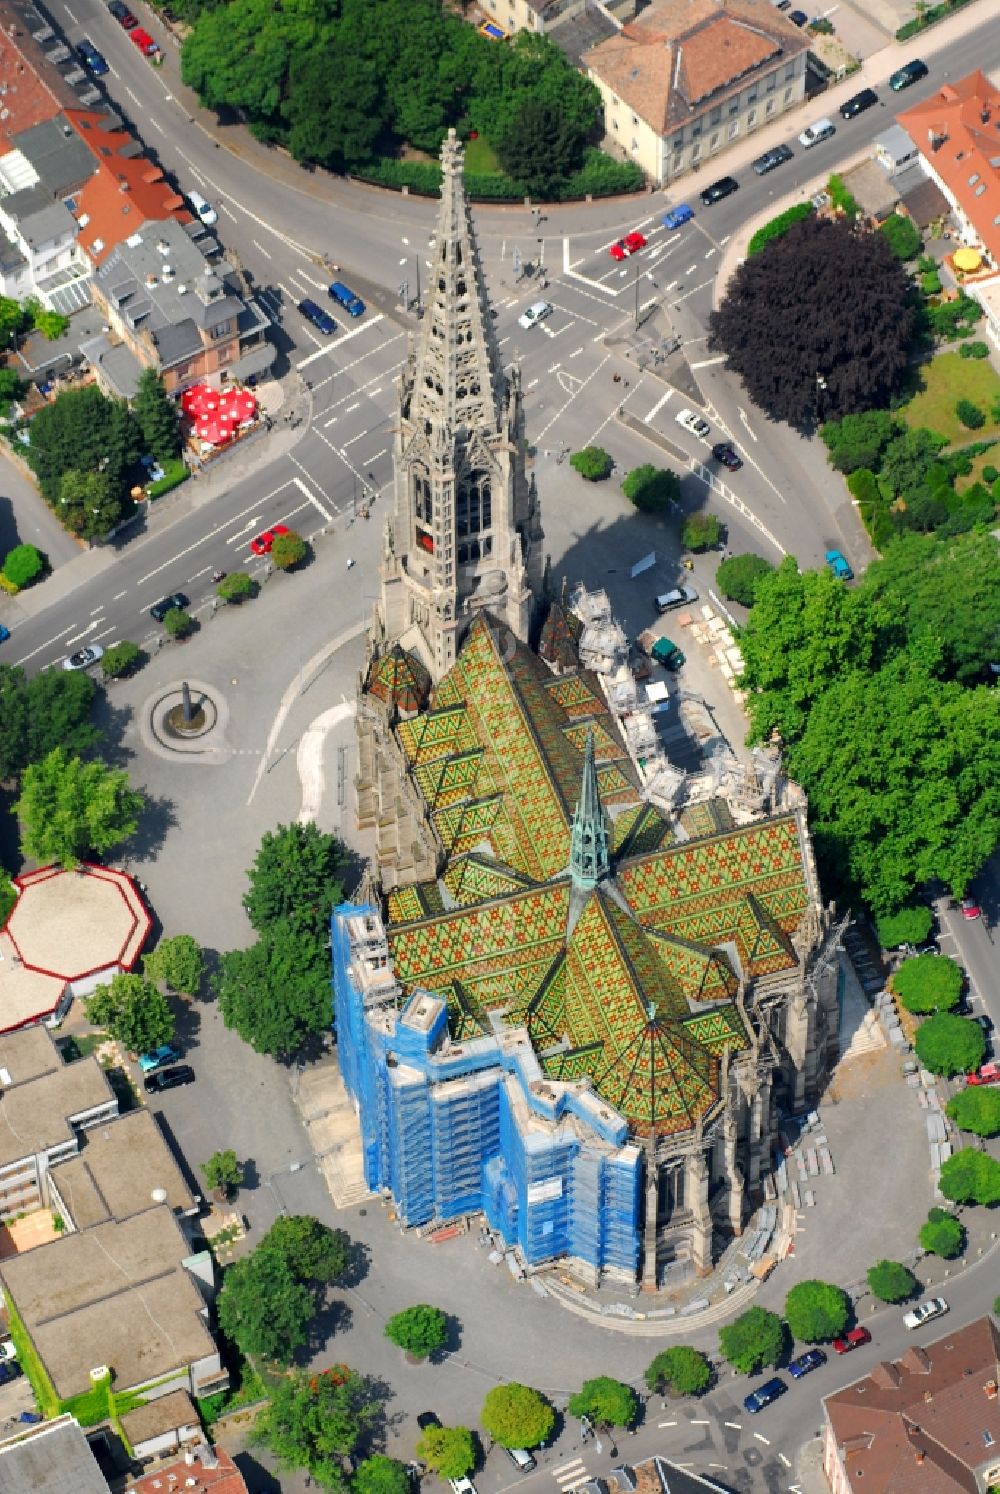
474,505
422,496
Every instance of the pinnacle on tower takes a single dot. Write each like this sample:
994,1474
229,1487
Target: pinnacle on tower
589,859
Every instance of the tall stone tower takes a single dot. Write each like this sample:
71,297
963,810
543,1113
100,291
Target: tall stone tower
465,532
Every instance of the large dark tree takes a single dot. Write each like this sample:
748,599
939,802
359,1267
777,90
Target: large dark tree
818,325
83,431
540,147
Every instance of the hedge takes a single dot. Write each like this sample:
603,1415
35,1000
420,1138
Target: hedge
599,176
863,487
934,13
174,473
778,226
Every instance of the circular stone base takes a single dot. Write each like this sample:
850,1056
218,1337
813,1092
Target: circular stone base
200,739
176,721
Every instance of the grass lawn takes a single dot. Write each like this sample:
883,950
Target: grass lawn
479,157
988,459
947,379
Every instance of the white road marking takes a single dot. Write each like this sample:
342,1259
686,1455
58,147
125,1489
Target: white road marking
761,1438
705,1423
118,595
71,15
311,496
577,353
667,1423
105,633
743,417
42,646
690,270
360,437
785,1460
95,610
724,241
708,362
554,368
77,636
532,384
351,408
344,337
709,252
737,1426
562,409
659,405
224,209
226,524
258,245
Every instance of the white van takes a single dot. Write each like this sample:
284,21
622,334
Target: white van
206,212
821,130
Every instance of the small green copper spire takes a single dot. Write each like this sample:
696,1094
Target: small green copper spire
589,861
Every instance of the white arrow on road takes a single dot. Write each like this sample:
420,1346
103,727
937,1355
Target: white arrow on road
88,629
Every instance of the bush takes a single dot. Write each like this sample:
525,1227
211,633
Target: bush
990,474
419,1330
682,1370
593,463
235,587
701,532
23,564
908,926
841,198
974,350
737,578
778,226
969,414
816,1312
891,1282
929,983
174,473
651,489
120,659
942,1235
288,550
930,283
602,176
449,1452
903,236
178,623
517,1416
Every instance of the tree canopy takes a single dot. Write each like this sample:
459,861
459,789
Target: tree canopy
755,1338
223,1171
133,1011
517,1416
683,1370
318,1421
928,983
651,489
838,354
157,416
447,1451
949,1045
178,962
22,565
317,1254
909,925
276,994
891,1282
976,1109
379,1474
294,880
288,550
418,1330
970,1176
85,432
264,1308
592,462
737,577
942,1235
816,1311
47,710
68,808
540,146
605,1402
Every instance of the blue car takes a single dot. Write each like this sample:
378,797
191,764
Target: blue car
678,215
4,633
838,565
344,296
319,318
810,1360
764,1395
92,58
148,1062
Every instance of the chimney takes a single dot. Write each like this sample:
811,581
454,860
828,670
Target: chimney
919,1458
991,1390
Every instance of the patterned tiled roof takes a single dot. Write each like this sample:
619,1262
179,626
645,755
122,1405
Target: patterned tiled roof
560,636
399,678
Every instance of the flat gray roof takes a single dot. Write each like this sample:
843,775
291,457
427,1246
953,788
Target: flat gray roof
54,1458
120,1164
166,1414
35,1115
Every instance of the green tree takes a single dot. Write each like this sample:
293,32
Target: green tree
135,1013
449,1452
517,1416
970,1176
263,1308
288,550
902,235
379,1474
294,880
88,503
540,147
85,432
8,896
22,565
942,1235
891,1282
11,388
316,1254
177,622
178,962
235,587
336,107
68,808
906,926
929,983
13,320
683,1370
976,1109
419,1330
157,416
755,1338
605,1402
317,1422
816,1312
276,994
701,532
949,1045
222,1172
593,463
51,324
859,440
737,577
51,709
120,659
651,489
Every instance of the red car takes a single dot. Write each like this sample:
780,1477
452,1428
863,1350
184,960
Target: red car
262,544
970,908
630,244
144,41
988,1074
852,1339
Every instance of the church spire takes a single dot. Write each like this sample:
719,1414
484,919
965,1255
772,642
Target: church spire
589,860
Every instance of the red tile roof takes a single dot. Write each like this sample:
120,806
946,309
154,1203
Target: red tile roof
223,1479
958,132
124,192
28,101
924,1423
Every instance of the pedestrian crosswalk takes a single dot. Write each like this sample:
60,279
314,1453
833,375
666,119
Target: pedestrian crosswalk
571,1475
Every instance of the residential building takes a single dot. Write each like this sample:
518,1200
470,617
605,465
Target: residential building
162,1428
125,191
688,78
52,1458
927,1422
46,164
168,308
556,1002
202,1470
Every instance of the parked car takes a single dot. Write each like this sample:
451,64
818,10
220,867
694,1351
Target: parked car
122,14
521,1459
910,72
852,1339
772,158
9,1370
859,103
84,657
934,1307
159,610
261,544
630,244
677,216
319,318
988,1074
206,212
462,1486
158,1059
814,133
970,908
181,1073
724,187
693,423
144,41
8,1349
4,633
344,296
838,565
681,596
667,654
94,60
810,1360
798,17
536,313
725,454
764,1394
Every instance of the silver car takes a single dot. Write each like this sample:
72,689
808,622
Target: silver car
84,657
